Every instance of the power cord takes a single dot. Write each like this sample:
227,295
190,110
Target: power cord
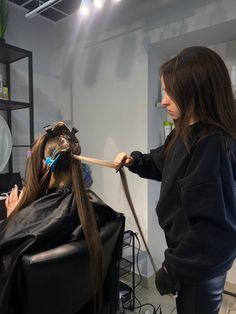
140,306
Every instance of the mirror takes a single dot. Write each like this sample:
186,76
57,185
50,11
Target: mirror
5,143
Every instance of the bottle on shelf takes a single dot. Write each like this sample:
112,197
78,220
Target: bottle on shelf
168,126
5,93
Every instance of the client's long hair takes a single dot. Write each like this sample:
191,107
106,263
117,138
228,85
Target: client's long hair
60,140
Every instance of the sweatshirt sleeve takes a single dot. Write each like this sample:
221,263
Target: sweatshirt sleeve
208,198
150,165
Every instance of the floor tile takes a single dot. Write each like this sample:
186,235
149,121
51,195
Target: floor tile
228,305
168,304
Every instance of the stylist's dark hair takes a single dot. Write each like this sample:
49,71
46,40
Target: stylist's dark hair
198,81
61,140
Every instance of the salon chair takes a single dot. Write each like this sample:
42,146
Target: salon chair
57,281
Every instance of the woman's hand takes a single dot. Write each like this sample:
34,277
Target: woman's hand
122,159
12,199
165,284
176,293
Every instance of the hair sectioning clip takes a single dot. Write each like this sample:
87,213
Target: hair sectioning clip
52,162
74,130
51,132
48,129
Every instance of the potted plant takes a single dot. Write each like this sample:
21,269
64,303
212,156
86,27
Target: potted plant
3,18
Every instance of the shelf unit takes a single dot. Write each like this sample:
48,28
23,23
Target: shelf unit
8,55
127,266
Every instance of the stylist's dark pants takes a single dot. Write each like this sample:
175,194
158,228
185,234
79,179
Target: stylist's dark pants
201,298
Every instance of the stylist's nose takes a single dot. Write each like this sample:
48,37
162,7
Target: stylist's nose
164,99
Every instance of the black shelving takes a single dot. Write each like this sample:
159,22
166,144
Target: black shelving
8,55
127,266
12,105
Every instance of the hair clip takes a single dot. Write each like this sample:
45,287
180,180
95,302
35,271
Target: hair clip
28,153
52,162
48,129
55,151
62,130
74,130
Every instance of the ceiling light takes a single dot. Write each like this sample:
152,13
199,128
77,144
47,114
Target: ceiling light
98,3
85,7
117,0
84,10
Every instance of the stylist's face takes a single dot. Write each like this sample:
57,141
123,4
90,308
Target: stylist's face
170,105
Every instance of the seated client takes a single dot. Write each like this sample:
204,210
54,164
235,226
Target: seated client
54,208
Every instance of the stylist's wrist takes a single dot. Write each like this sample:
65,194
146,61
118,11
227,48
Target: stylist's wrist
129,161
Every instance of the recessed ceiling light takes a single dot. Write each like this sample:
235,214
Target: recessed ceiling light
84,10
99,3
85,7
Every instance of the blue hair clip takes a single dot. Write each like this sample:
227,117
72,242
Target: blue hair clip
52,162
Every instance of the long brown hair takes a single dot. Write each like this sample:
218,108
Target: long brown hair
198,81
61,140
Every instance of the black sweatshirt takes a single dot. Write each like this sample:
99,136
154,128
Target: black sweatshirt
197,204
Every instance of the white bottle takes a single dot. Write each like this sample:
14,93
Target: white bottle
233,79
1,87
167,128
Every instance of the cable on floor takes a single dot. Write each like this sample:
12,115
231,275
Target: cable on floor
232,294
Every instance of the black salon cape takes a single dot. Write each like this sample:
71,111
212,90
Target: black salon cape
46,223
197,203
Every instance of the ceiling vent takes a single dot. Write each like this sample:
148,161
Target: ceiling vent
54,10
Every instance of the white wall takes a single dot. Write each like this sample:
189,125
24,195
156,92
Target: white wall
109,88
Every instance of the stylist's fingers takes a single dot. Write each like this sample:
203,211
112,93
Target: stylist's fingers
120,157
124,159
